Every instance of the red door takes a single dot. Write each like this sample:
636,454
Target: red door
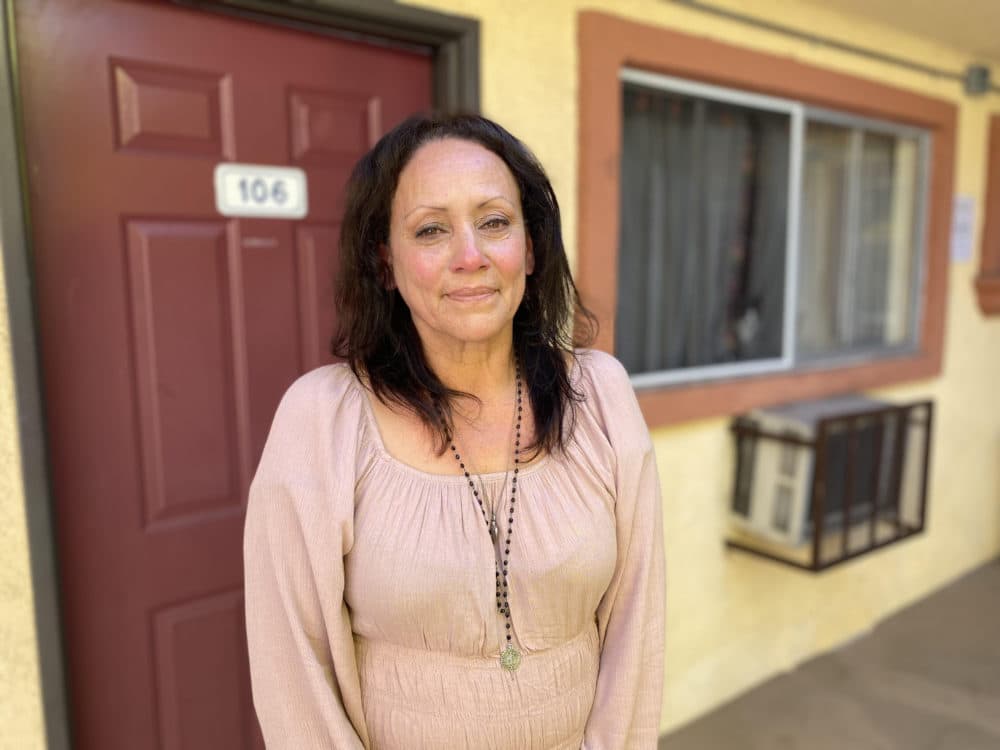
168,332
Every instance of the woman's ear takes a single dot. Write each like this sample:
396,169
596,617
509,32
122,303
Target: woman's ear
385,277
529,256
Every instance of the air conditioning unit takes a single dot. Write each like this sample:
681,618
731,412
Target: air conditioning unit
811,469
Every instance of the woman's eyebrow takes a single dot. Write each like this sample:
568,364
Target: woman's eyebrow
495,198
430,208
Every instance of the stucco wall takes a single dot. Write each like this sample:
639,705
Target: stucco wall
21,726
733,620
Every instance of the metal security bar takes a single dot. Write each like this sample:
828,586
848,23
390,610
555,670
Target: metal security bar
866,486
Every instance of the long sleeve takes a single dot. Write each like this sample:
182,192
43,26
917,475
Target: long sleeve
298,528
630,618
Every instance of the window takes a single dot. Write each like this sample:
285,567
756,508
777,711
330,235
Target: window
759,234
765,344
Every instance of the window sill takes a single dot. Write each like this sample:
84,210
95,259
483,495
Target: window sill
684,403
988,291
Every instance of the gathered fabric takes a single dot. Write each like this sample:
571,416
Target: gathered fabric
445,701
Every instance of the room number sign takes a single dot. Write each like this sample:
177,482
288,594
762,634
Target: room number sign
260,191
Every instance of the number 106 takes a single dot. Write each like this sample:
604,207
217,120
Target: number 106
258,191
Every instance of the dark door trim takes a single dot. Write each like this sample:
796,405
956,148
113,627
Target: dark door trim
28,401
453,42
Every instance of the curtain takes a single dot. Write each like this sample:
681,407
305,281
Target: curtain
703,232
857,248
823,233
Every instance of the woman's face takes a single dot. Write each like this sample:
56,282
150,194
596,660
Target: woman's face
458,249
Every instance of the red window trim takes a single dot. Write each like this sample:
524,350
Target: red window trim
988,280
606,45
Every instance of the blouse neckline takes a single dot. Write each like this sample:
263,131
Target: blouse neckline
385,455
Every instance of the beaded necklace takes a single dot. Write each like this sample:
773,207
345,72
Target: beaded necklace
510,657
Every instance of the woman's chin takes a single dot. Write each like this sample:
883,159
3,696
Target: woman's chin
485,333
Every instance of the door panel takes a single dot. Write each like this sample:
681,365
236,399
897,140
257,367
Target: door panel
201,702
315,280
168,333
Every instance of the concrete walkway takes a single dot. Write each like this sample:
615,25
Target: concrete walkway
927,678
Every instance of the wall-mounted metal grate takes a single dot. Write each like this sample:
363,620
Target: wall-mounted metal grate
822,482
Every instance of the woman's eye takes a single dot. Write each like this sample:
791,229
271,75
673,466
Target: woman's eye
496,222
429,231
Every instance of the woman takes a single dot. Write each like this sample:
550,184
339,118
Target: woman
453,539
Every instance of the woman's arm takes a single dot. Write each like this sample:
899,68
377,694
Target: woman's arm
298,527
630,618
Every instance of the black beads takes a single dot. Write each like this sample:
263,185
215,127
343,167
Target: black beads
503,601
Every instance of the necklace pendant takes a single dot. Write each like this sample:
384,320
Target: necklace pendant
510,659
494,529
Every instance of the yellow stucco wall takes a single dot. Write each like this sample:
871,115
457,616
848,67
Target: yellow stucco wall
21,726
733,620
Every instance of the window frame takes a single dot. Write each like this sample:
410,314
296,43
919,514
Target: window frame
800,116
609,44
987,283
924,140
796,131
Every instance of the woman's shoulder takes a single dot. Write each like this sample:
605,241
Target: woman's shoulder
601,370
324,396
327,384
310,455
320,413
608,394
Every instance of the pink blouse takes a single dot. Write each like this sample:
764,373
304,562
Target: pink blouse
370,597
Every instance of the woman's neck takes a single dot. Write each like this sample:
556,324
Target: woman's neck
486,372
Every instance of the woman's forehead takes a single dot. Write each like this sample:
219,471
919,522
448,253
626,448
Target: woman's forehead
451,170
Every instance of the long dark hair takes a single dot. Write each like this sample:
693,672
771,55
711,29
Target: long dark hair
377,336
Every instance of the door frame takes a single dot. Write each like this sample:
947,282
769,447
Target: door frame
454,42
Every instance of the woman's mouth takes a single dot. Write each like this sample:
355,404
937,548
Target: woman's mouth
471,293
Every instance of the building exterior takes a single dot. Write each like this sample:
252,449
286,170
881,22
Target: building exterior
551,72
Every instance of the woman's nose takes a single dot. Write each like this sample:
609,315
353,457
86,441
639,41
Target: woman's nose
468,255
